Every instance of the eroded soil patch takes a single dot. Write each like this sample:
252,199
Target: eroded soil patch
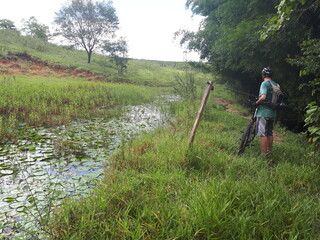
23,64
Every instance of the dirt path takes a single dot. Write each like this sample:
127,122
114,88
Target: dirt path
229,107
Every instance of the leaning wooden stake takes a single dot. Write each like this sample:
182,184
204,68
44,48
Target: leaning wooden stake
200,112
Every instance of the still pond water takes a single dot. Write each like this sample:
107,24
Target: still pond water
57,163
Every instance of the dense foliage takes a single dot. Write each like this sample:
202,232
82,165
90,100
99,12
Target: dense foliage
240,37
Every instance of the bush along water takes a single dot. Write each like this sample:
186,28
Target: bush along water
156,189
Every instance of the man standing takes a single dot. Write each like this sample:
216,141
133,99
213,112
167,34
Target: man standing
265,114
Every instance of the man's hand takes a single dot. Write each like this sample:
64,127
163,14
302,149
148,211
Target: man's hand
261,99
254,105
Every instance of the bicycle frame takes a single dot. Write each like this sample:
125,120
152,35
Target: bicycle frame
249,133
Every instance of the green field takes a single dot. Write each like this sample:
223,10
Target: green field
156,188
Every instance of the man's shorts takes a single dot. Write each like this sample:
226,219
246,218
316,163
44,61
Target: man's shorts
264,127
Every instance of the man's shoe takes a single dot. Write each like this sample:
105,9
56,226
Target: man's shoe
265,155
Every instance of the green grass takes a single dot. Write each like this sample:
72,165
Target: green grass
38,101
156,189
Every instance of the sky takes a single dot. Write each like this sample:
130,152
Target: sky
147,25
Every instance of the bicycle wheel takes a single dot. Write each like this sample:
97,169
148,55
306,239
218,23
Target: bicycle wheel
248,136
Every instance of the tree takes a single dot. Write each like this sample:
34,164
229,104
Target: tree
7,24
86,24
230,39
118,52
35,29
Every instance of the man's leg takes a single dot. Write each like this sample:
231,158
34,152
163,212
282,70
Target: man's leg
270,143
264,142
261,131
265,131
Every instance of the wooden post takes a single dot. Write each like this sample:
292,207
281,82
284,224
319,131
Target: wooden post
200,112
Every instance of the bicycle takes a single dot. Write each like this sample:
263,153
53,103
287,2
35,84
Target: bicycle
249,133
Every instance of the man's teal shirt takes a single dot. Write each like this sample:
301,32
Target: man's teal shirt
264,110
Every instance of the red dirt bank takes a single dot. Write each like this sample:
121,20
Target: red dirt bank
27,65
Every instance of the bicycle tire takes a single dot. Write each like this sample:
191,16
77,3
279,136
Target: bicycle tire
248,136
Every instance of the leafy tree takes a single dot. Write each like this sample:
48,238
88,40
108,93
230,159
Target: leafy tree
229,38
86,23
118,52
34,28
7,24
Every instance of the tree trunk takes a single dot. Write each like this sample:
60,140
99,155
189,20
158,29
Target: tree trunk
89,56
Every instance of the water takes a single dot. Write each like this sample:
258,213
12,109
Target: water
56,163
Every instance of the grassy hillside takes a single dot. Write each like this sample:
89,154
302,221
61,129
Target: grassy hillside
156,189
154,73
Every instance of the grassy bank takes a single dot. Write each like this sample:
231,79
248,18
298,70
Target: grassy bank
39,101
156,190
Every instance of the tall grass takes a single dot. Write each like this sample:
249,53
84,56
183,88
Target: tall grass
38,101
156,189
